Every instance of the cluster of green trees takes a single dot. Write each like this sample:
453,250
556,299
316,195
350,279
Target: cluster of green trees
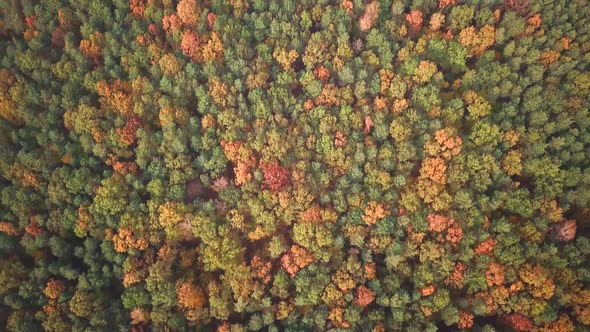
253,165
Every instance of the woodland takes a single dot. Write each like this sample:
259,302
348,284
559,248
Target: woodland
282,165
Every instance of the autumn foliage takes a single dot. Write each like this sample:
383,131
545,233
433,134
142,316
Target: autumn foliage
252,165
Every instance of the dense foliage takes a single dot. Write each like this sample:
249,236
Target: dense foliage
282,165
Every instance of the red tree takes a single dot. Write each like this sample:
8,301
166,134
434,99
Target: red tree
414,19
275,176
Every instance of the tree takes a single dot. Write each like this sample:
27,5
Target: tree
370,16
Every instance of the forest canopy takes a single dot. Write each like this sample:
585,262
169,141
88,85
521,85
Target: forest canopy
282,165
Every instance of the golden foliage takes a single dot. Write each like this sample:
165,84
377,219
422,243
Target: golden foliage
434,169
562,324
343,280
337,318
428,290
8,228
512,162
190,296
537,280
424,71
436,21
139,316
188,12
213,49
8,106
115,96
285,58
124,241
283,309
374,212
170,214
495,274
92,47
477,41
54,288
581,304
548,57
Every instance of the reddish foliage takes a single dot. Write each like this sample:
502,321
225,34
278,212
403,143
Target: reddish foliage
414,19
31,31
261,269
566,42
486,247
125,167
368,124
518,322
129,131
371,270
454,234
190,44
374,212
445,3
57,38
339,139
322,73
296,259
190,296
312,214
364,296
444,144
171,22
92,47
31,22
565,231
224,327
33,228
211,20
495,274
124,240
8,228
232,150
455,279
137,7
115,96
275,176
54,288
153,29
434,169
536,21
370,16
428,290
438,223
242,170
348,6
465,320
